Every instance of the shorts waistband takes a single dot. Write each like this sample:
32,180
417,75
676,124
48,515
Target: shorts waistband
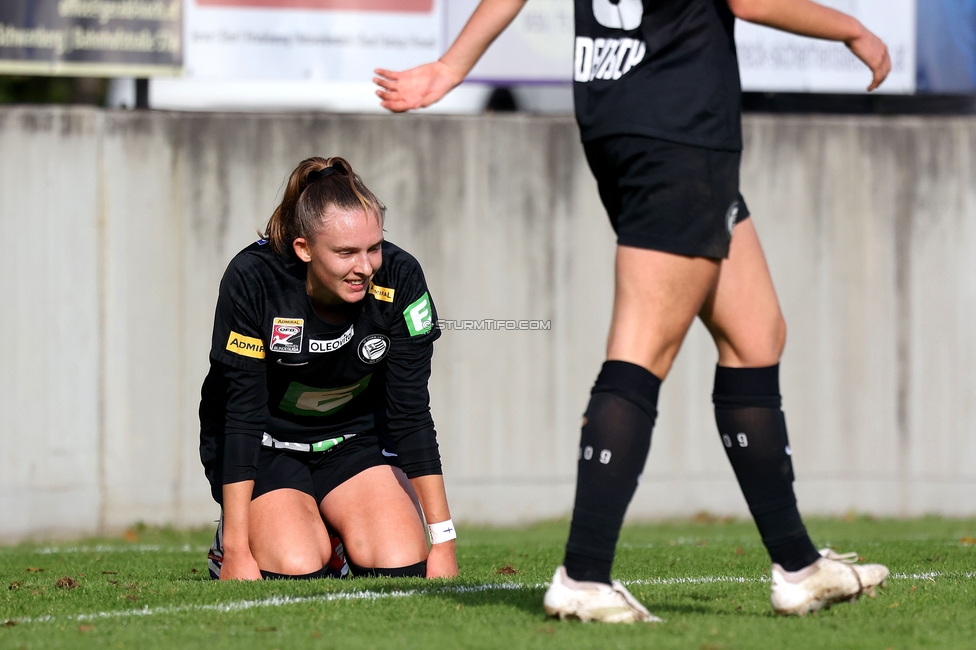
322,445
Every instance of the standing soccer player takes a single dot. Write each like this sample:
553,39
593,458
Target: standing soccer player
658,102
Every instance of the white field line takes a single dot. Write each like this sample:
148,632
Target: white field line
105,548
281,601
274,601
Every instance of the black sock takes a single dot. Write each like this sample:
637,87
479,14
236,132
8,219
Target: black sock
613,448
324,572
418,570
753,432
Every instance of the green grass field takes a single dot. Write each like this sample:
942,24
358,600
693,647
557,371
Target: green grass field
707,578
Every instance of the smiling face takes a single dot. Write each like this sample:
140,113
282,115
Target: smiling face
343,256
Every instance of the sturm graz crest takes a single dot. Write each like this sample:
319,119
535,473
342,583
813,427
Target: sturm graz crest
373,348
731,216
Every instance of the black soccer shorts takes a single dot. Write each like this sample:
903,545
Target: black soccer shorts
315,473
666,196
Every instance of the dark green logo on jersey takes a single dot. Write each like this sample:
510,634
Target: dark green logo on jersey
418,316
308,400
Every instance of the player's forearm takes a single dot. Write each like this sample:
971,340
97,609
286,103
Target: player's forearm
237,503
488,21
801,17
433,497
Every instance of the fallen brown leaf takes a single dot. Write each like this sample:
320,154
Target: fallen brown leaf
32,569
739,551
67,582
130,536
9,623
14,586
967,541
86,628
507,570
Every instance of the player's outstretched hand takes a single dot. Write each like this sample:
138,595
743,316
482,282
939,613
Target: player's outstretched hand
874,53
415,88
239,566
442,561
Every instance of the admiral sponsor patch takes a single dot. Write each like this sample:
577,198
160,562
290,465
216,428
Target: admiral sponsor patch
331,345
418,316
286,335
246,346
373,348
381,293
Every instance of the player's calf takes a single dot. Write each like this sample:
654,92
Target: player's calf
753,431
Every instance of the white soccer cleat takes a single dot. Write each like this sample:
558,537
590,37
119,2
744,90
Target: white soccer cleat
834,578
215,558
593,601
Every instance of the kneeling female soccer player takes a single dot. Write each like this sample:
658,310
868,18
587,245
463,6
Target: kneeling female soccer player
315,416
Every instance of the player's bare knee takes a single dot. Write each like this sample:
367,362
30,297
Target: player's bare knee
299,563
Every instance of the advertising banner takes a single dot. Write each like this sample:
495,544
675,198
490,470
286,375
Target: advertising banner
91,37
536,48
947,47
312,40
774,61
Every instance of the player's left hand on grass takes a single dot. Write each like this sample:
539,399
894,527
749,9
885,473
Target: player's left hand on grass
415,88
874,53
442,561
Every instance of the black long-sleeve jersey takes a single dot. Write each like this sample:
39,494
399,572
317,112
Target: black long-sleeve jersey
666,69
277,368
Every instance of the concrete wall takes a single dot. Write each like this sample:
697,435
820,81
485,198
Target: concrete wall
118,226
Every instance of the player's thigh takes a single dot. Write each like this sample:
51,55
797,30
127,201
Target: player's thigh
287,534
742,311
656,297
672,207
377,519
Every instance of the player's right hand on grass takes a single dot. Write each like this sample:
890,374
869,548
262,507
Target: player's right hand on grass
239,566
874,53
415,88
442,560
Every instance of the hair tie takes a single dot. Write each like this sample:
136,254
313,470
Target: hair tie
320,174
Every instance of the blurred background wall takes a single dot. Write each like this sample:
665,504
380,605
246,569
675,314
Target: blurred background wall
118,226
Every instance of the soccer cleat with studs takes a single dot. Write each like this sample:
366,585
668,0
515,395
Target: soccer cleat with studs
834,578
593,601
215,558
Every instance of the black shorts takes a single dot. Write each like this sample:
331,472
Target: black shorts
666,196
315,473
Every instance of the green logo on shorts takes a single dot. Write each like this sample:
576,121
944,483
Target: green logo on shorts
326,445
418,316
308,400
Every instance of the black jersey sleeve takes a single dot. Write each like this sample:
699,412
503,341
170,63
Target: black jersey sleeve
238,356
412,335
245,420
237,340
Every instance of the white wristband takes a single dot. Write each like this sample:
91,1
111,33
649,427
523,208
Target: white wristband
442,532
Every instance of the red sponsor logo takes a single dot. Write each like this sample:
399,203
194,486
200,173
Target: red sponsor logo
405,6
